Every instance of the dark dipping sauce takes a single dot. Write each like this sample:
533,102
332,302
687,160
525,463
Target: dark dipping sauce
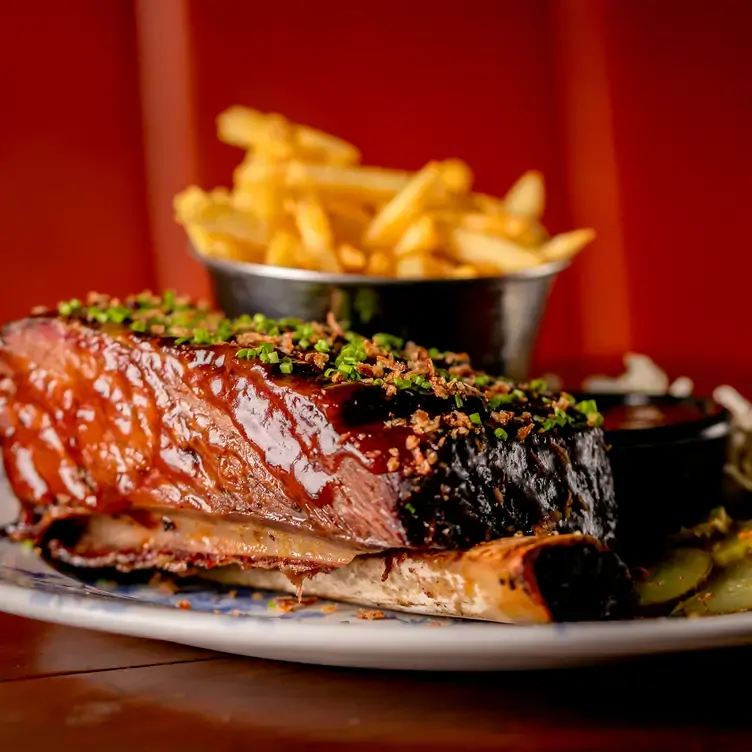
652,415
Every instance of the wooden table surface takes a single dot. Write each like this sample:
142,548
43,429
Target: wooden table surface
63,688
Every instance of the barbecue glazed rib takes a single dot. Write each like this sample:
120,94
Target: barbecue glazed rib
153,433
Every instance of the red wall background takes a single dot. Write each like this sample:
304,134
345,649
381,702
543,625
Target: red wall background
637,112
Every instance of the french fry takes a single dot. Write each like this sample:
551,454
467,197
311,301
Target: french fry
276,140
333,149
456,175
316,233
352,210
245,127
396,216
258,171
489,204
371,183
239,126
379,265
525,231
283,250
214,213
416,265
201,240
271,136
567,244
194,200
264,201
493,224
223,247
346,228
421,236
303,259
499,253
527,197
464,270
352,258
422,266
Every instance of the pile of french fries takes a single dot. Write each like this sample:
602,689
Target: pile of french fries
301,198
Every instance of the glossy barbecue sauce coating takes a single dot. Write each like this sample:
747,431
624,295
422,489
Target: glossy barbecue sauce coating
380,450
116,422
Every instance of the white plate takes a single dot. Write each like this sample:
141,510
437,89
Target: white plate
251,623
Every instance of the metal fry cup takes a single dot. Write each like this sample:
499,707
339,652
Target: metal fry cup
495,320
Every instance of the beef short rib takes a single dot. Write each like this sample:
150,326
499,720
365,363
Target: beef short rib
147,408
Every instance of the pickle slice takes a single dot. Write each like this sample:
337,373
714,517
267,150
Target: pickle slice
734,547
678,574
717,524
729,591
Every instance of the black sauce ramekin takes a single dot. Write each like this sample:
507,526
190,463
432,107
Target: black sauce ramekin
666,476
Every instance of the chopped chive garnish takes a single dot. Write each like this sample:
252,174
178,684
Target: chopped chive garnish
93,312
458,400
119,315
322,346
475,418
224,331
561,418
388,341
590,409
202,337
286,365
500,433
500,399
69,307
586,407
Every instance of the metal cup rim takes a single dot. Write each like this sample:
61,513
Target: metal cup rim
245,268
